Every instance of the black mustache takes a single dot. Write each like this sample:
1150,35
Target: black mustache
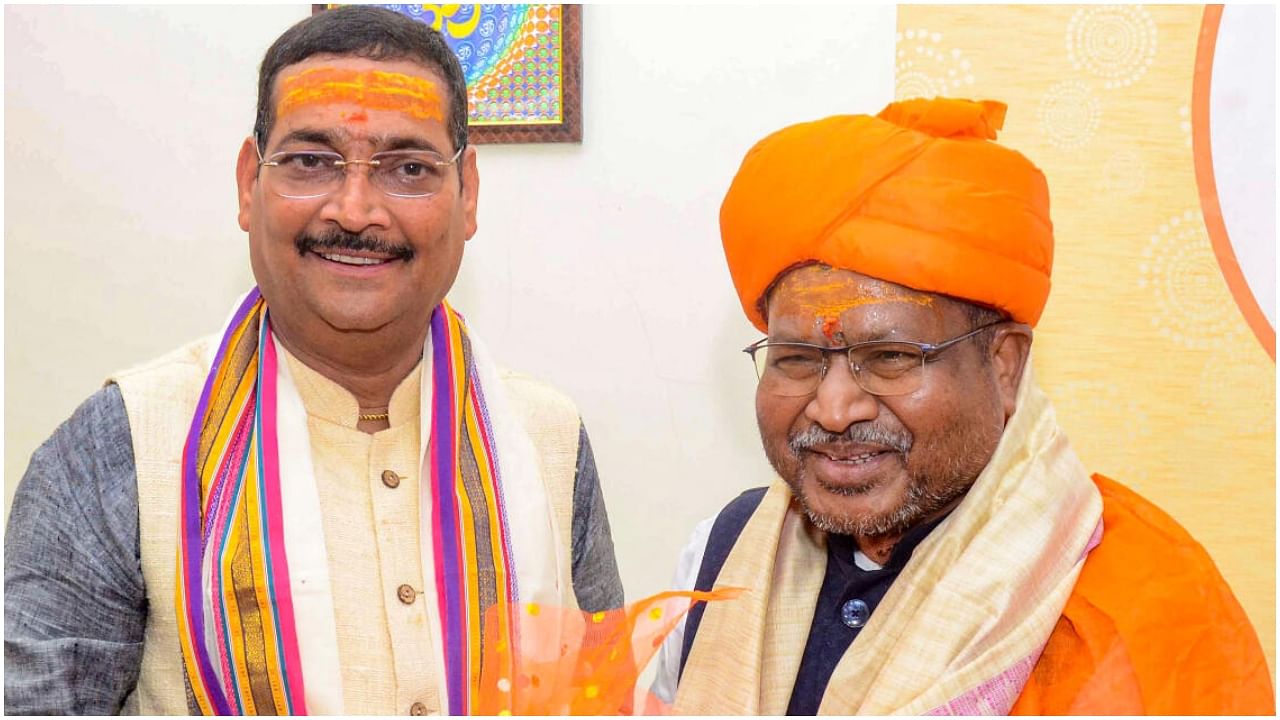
338,240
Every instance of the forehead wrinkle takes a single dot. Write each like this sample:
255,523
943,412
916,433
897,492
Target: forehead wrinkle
818,280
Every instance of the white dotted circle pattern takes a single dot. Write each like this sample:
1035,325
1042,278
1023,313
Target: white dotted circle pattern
1230,378
1116,43
1080,402
1184,124
1124,174
1069,114
1191,303
925,67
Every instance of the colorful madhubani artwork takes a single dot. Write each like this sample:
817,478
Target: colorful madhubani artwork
522,65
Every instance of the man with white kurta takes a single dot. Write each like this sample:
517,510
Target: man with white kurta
318,509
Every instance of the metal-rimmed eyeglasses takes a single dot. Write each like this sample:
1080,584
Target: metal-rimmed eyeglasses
307,174
880,367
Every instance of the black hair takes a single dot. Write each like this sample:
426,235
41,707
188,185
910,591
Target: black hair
369,32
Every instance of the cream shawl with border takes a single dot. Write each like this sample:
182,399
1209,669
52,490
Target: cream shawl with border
961,627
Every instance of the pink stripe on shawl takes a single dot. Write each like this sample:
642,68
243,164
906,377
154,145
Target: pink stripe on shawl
997,695
275,527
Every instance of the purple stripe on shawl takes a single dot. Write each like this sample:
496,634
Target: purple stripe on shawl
444,428
190,521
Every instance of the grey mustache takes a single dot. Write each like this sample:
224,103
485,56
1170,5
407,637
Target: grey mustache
863,434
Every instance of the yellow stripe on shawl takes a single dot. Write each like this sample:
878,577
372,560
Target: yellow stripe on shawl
222,444
497,551
188,655
472,588
253,660
466,513
273,670
227,422
230,601
222,439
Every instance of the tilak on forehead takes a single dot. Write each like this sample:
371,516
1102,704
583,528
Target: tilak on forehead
369,89
828,301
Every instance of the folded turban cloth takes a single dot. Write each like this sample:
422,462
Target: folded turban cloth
918,196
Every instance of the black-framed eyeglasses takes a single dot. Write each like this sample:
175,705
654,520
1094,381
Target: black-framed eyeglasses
306,174
881,367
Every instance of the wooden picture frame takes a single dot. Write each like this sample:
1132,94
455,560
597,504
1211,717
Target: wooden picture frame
540,66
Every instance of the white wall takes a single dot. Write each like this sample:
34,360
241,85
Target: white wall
1242,127
597,266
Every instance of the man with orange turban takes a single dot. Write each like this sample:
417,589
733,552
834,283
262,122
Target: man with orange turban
934,545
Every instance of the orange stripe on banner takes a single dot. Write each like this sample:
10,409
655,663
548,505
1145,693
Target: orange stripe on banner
1209,206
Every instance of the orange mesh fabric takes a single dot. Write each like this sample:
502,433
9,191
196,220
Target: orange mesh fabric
918,196
1151,628
570,662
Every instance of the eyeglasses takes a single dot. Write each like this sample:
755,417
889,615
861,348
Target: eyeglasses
304,174
881,367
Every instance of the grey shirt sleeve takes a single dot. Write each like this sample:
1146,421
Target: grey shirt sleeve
75,602
75,605
596,584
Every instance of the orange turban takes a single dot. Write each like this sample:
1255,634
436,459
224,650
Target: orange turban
917,196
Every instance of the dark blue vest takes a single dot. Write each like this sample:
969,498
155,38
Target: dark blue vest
848,597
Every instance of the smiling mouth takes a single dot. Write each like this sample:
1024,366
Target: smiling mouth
860,459
344,259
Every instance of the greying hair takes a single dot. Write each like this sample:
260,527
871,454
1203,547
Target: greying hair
979,315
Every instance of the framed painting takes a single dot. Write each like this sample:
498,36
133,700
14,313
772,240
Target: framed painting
523,65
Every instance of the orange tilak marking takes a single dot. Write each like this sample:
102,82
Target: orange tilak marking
828,302
829,327
371,90
829,308
833,298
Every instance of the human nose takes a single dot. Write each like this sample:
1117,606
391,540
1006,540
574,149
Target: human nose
839,400
357,204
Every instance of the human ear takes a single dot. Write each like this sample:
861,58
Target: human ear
470,189
1009,349
246,176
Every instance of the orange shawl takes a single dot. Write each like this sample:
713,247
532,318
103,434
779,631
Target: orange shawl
1150,629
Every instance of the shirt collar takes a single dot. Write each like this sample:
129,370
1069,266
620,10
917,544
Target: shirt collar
327,400
842,547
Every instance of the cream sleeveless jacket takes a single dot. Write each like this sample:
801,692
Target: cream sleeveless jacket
160,398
